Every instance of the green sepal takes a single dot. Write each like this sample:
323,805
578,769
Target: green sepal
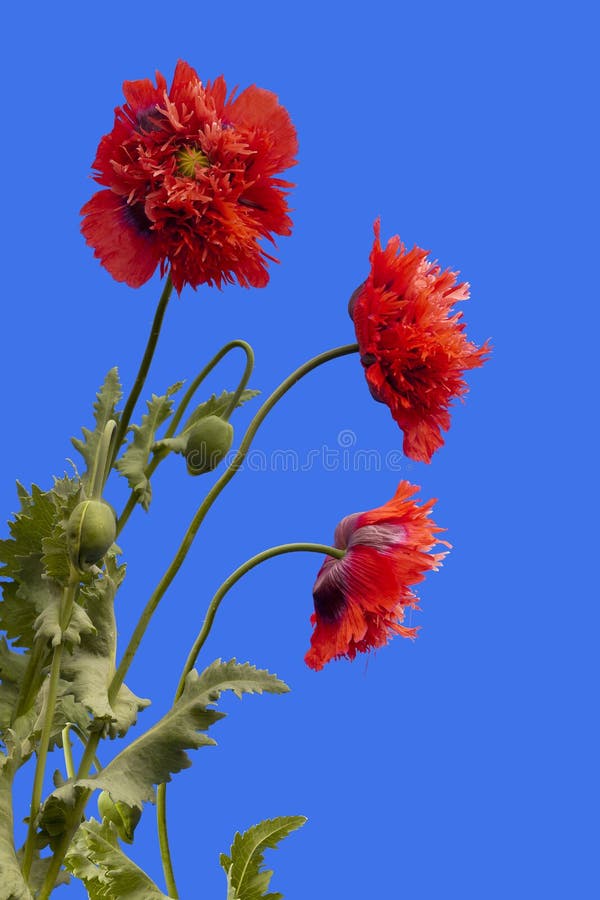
107,873
105,404
246,877
133,463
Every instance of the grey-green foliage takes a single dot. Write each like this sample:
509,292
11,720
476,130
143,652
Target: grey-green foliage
135,459
30,608
108,874
90,667
160,752
246,877
35,559
105,405
13,885
12,669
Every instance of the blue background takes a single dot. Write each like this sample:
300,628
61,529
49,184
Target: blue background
463,764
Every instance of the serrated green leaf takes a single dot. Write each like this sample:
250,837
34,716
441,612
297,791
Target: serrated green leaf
66,709
34,521
246,878
106,871
13,885
12,669
39,870
36,549
160,752
104,410
66,494
90,667
135,459
48,625
241,678
216,406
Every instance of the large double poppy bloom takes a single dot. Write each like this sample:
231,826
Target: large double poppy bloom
360,599
412,342
190,180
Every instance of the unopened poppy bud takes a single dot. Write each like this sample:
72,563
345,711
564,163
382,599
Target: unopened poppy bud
124,817
91,531
208,443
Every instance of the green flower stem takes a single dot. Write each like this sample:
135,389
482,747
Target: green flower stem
161,799
144,367
67,751
30,685
42,752
205,372
88,759
102,461
88,756
77,730
206,504
250,564
163,841
185,402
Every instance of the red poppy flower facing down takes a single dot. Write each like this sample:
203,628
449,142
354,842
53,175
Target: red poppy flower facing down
412,345
191,181
360,599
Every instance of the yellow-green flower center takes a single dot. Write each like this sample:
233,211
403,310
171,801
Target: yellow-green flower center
188,160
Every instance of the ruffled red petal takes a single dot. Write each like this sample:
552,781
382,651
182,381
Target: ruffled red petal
206,226
412,344
128,254
360,600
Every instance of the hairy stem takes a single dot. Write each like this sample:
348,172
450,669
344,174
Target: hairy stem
206,504
161,799
144,367
42,751
87,759
185,402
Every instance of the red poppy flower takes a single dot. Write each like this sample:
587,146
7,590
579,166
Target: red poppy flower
412,344
191,180
360,599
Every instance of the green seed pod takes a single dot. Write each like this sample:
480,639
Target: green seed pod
208,443
123,816
91,531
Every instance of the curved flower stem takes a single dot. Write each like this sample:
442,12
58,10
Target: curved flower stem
158,457
68,751
250,564
161,799
161,588
144,366
186,400
206,504
42,752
